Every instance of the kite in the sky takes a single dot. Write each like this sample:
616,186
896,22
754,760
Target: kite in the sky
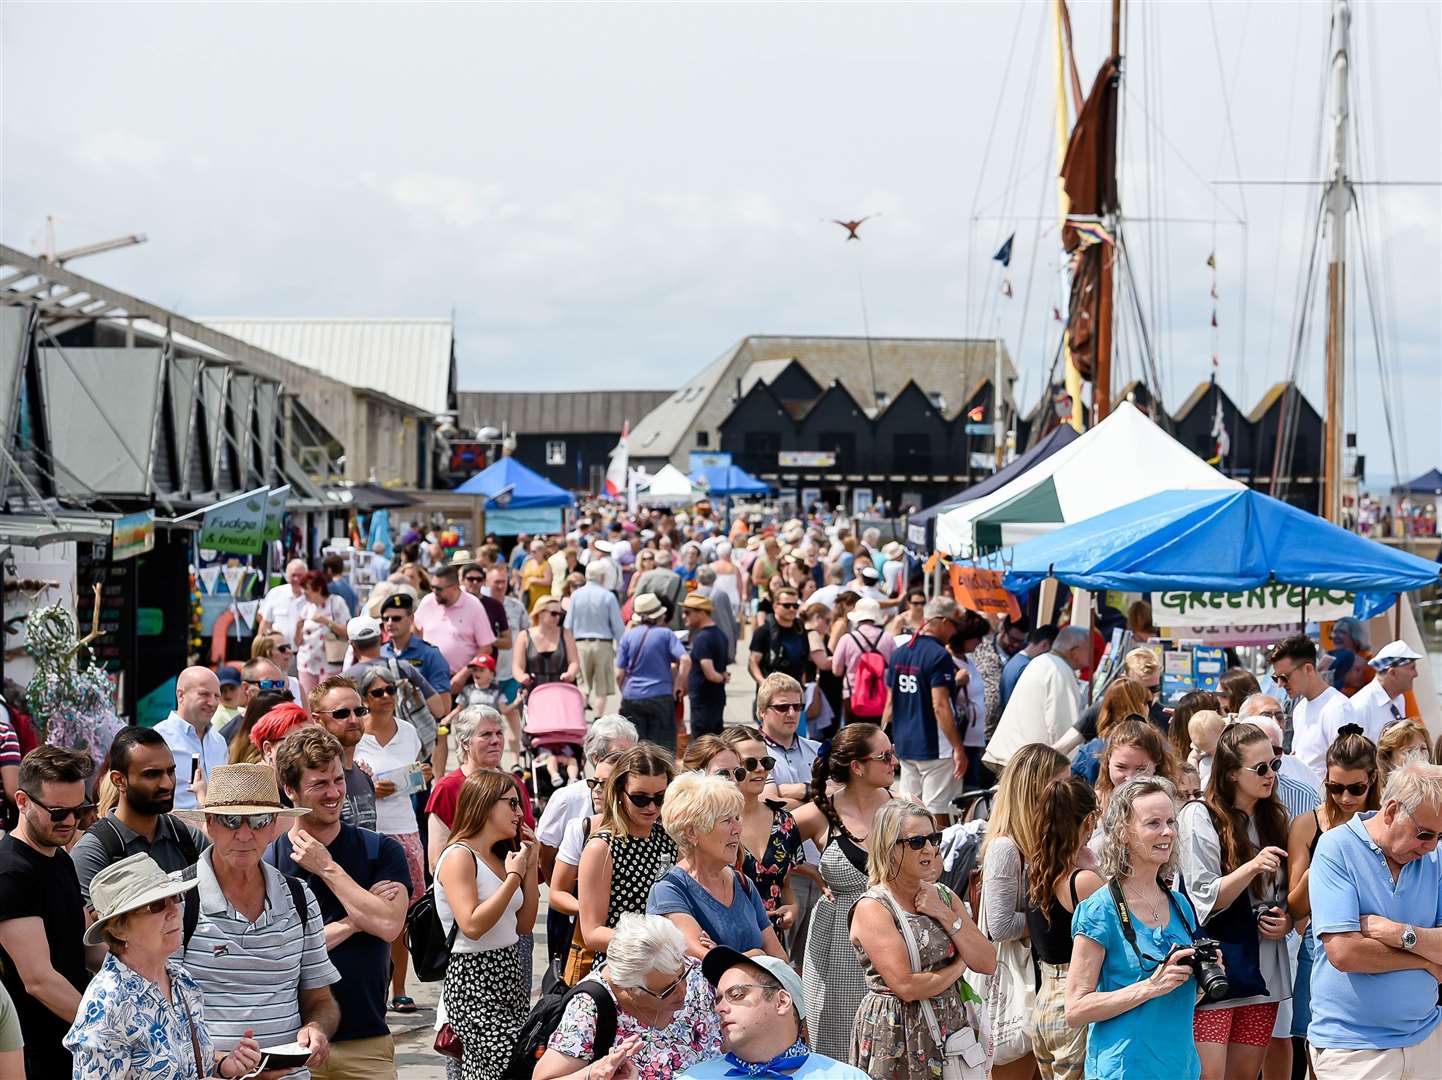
852,226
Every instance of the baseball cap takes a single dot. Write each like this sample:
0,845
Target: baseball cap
721,960
1392,654
483,660
228,676
362,630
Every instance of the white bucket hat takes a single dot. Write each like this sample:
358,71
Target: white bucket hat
128,885
866,610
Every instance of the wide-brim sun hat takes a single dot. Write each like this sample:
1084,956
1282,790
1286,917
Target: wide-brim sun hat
648,605
241,789
126,886
462,557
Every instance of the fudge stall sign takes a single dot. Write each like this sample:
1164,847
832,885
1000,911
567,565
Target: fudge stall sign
236,525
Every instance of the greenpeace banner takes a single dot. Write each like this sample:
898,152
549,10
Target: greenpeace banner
1270,604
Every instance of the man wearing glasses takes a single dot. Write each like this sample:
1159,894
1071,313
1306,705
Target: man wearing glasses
452,620
42,915
780,644
259,676
1318,709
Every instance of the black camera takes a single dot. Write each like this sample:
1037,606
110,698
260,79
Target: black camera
1206,965
1270,907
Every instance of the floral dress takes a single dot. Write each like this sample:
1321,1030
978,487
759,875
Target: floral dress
783,851
693,1035
310,656
891,1038
126,1028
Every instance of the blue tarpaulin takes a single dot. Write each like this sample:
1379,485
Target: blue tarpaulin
723,480
1222,540
527,490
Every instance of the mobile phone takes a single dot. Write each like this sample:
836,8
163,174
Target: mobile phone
194,767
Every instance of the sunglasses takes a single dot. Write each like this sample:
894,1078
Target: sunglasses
232,822
283,648
474,579
381,692
344,714
1280,679
514,802
1273,714
916,843
737,774
393,618
791,607
593,782
660,994
60,813
1356,790
751,764
156,907
785,706
640,802
737,994
1426,836
918,603
888,756
269,685
1261,768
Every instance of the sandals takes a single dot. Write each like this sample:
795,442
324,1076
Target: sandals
403,1004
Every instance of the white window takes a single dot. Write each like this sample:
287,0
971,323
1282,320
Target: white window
556,452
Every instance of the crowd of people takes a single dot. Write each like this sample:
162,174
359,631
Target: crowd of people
917,853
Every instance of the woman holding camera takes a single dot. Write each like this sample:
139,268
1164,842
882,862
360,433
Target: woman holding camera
1233,846
1130,979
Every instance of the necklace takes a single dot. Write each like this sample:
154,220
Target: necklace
1151,910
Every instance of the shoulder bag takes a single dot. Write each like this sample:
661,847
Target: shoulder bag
1010,993
963,1056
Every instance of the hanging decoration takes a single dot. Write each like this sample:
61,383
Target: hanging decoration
209,576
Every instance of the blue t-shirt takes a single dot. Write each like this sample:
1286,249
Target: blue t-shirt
646,655
709,643
738,927
363,960
816,1067
428,659
1350,878
1011,673
1155,1038
915,669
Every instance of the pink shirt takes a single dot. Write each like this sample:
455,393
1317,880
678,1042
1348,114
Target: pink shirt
850,649
460,630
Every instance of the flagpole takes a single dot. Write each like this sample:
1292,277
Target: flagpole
997,428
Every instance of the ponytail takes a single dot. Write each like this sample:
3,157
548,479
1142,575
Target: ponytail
833,763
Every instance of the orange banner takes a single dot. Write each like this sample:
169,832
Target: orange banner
981,590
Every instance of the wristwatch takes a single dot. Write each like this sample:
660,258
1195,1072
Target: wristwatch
1409,938
956,929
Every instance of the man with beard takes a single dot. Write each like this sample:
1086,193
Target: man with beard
42,915
336,694
142,769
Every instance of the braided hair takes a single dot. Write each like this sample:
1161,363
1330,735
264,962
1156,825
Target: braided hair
833,762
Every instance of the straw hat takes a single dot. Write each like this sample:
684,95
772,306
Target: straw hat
543,602
242,789
893,550
462,557
697,602
128,885
648,606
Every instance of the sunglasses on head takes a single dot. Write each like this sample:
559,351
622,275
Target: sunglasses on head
60,813
1356,790
916,843
231,822
269,685
640,801
381,691
344,714
1261,768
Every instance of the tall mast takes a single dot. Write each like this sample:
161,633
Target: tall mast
1338,199
1102,376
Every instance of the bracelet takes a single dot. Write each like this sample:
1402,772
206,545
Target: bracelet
518,874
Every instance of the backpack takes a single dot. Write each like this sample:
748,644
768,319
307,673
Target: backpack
412,708
542,1021
427,939
191,918
113,845
868,680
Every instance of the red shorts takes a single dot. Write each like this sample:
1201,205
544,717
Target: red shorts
1245,1025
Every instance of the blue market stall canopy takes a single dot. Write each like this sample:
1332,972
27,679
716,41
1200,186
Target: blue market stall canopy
518,486
1220,540
921,526
724,480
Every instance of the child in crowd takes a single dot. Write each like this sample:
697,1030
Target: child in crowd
1205,728
1190,787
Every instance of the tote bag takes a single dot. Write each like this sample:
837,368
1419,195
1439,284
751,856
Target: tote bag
1009,994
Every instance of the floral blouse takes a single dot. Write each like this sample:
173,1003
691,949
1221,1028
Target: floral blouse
693,1035
126,1028
782,852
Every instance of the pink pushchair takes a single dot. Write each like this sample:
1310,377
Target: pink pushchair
556,721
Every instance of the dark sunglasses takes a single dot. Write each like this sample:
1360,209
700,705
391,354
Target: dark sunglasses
381,692
474,579
155,907
888,756
231,822
918,603
269,685
916,843
345,714
60,813
514,801
786,706
789,606
283,648
1357,790
751,764
593,782
737,774
393,618
640,802
1426,836
1261,768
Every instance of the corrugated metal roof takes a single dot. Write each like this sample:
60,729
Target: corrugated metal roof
563,412
408,359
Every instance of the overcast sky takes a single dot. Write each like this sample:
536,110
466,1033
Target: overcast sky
609,196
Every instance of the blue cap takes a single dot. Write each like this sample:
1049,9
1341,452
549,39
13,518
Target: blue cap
228,676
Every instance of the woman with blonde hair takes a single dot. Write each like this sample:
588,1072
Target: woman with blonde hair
710,902
711,755
1401,739
902,911
629,850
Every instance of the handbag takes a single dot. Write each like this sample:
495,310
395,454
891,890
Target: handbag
334,645
448,1043
1010,994
963,1055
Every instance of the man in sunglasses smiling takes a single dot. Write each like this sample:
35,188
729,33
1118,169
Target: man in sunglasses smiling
42,916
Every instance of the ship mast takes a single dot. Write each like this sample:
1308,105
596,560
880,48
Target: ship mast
1102,374
1338,200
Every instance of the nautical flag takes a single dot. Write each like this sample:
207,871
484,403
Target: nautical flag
1091,232
1214,292
976,415
1219,432
1212,260
1056,314
1003,254
1006,286
620,458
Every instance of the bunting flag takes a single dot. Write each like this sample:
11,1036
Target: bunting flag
235,579
209,576
1091,232
1214,318
1219,433
1003,253
1056,314
245,611
1006,287
1212,260
1214,290
977,414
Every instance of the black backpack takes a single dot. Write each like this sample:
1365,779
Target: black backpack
113,844
426,938
545,1018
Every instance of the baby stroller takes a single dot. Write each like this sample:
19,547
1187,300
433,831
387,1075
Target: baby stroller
554,726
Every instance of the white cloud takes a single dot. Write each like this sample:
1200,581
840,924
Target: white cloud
116,148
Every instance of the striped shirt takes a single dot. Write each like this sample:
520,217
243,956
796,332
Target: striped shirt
251,974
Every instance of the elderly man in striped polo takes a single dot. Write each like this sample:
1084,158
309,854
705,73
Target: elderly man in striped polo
254,938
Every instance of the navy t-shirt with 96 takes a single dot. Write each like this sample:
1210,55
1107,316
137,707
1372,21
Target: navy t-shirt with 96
915,669
362,959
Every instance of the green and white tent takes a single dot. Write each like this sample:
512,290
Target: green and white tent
1124,458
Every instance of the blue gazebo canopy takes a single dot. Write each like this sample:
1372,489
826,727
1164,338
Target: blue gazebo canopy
1216,540
723,480
1429,483
529,490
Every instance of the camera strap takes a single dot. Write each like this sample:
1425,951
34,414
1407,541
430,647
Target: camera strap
1125,917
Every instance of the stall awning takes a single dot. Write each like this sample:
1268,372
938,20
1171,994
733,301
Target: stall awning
34,529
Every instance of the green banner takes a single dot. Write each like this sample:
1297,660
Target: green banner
236,524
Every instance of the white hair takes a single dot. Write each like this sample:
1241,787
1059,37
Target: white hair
723,549
595,571
664,558
1253,703
470,718
1070,638
1266,723
640,945
606,731
1414,783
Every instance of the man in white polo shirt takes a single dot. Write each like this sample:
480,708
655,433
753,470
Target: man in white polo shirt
257,950
1318,710
283,606
1381,701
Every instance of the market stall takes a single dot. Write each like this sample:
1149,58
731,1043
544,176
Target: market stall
517,499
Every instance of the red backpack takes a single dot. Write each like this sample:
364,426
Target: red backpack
868,679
